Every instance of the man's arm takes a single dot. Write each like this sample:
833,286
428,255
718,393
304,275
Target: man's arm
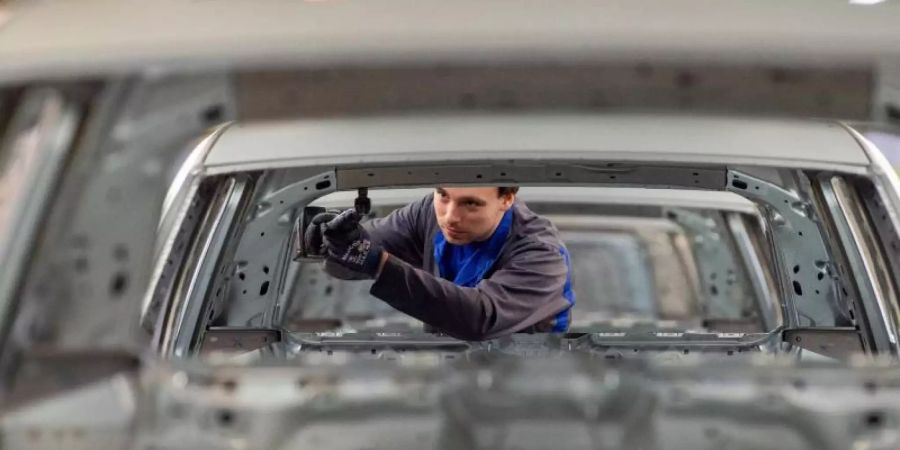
525,291
401,232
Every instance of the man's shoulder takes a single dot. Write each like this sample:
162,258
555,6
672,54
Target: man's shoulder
421,212
413,215
533,231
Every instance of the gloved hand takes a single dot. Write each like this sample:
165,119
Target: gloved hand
348,245
313,241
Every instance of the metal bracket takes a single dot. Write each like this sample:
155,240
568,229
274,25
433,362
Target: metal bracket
808,278
840,343
254,292
237,339
721,276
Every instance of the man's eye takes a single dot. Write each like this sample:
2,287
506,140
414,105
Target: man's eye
471,204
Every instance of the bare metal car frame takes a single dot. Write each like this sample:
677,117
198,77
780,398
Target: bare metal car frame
93,122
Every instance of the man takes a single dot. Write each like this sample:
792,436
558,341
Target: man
473,262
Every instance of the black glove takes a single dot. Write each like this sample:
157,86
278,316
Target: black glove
348,245
312,236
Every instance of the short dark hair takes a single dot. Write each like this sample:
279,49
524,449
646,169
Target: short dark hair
503,190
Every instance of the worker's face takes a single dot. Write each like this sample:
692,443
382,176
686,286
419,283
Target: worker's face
469,214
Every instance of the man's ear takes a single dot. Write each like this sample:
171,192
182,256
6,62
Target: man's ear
507,200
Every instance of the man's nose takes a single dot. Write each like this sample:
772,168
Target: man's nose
453,216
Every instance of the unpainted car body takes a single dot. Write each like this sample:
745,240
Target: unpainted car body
97,117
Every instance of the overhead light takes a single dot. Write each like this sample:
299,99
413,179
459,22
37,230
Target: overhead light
866,2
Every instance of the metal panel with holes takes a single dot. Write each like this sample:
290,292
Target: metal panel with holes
253,281
805,267
87,276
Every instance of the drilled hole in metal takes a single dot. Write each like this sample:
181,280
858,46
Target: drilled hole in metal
81,264
870,386
213,114
739,184
120,252
229,385
797,288
118,285
874,419
264,288
892,111
323,185
225,418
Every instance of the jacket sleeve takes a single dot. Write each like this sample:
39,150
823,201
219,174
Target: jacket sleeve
527,289
402,232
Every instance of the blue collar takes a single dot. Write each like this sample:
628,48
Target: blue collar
477,258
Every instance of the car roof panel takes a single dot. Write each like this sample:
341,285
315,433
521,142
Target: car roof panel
651,138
